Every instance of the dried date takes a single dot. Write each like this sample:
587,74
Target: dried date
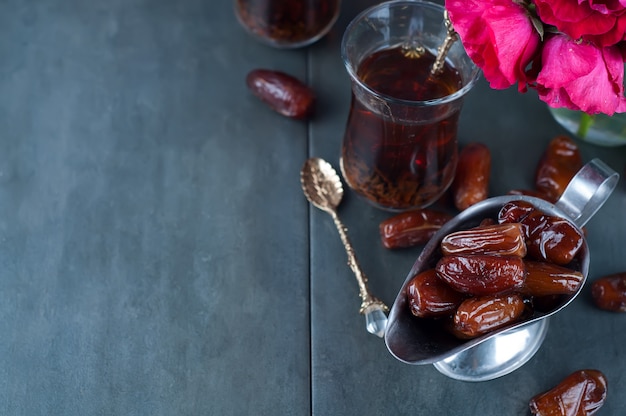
548,237
282,92
609,292
582,393
558,165
552,238
411,228
428,296
471,181
499,239
545,279
477,316
515,211
481,274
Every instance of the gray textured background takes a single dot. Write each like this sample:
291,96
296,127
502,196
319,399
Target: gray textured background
157,256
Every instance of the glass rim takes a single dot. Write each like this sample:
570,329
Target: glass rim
473,78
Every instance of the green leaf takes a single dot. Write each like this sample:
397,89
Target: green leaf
538,25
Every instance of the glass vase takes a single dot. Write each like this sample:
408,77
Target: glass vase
598,129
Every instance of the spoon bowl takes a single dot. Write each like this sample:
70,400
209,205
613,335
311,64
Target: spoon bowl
321,184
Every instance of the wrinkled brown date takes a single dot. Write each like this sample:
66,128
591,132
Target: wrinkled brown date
552,238
548,237
471,181
477,316
501,239
481,274
282,92
514,211
558,165
609,292
411,228
582,393
428,296
545,279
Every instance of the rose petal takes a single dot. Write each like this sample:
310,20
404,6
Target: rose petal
581,76
498,36
603,23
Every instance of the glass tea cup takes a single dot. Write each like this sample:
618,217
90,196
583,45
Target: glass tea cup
400,147
287,23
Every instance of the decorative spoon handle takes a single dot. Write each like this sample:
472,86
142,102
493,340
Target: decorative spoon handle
451,37
373,308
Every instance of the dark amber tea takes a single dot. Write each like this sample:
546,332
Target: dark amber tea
287,22
399,150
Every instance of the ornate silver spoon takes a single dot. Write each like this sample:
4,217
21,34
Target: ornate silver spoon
322,187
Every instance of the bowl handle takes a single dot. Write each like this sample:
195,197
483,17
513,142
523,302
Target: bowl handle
587,191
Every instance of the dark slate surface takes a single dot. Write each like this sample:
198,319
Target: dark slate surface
153,235
158,257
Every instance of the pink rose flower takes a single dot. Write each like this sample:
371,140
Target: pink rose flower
581,76
498,36
597,21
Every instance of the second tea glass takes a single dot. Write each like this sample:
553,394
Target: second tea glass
287,23
400,147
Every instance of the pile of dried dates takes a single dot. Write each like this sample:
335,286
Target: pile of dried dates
507,267
499,272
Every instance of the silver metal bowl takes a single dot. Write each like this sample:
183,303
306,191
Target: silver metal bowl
423,341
